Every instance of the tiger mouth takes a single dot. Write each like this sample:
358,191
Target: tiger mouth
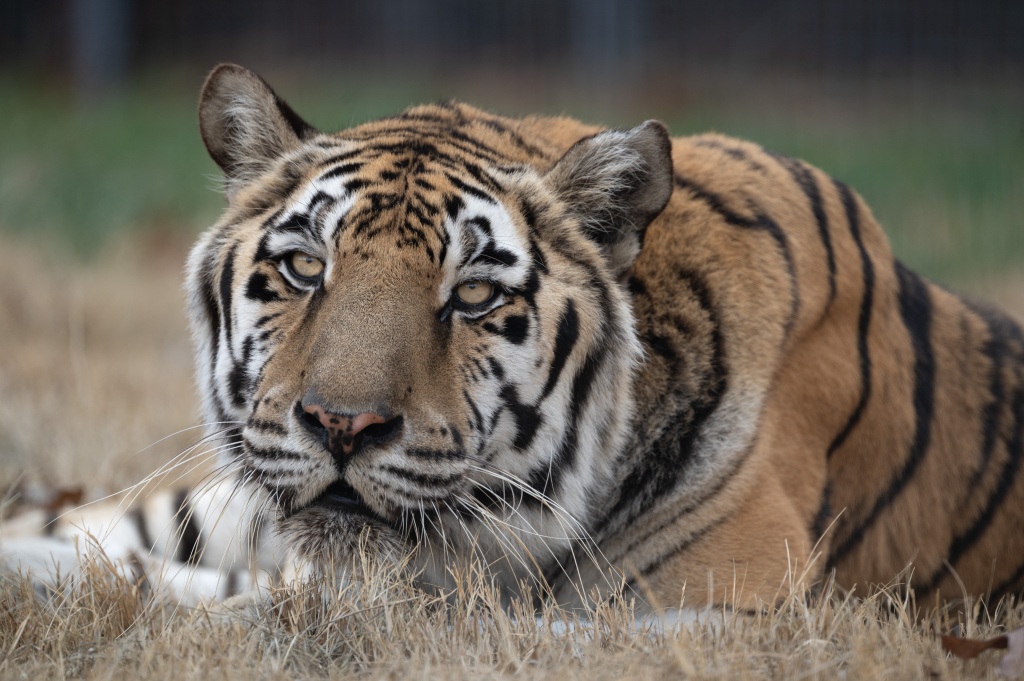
341,497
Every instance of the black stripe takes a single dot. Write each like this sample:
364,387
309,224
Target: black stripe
299,223
526,416
481,223
805,180
445,239
661,346
1006,479
824,516
317,202
239,380
262,253
492,254
477,422
423,479
453,205
734,153
436,454
266,426
470,189
258,288
565,341
916,311
1001,329
338,158
530,216
516,328
547,479
995,350
267,318
185,522
863,319
761,222
50,526
272,453
227,274
341,170
514,137
139,519
496,368
478,173
355,185
212,310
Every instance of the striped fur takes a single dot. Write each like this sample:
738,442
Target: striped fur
702,368
185,546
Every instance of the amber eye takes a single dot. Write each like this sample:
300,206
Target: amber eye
304,265
475,292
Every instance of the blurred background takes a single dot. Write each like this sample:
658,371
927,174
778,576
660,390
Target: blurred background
919,104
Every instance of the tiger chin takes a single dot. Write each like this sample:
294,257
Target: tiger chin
603,362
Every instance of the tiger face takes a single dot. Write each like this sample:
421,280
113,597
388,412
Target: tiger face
420,325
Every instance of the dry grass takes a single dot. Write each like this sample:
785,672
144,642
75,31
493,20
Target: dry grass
97,366
384,628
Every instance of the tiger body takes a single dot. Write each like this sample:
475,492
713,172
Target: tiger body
699,367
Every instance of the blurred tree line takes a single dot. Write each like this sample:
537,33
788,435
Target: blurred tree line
99,42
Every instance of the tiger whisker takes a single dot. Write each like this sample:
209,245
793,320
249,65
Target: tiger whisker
493,522
126,503
578,534
145,481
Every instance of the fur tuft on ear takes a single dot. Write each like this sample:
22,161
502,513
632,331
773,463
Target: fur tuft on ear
617,182
244,124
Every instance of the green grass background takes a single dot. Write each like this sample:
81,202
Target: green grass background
946,182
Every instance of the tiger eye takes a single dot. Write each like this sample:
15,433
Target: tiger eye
305,265
475,292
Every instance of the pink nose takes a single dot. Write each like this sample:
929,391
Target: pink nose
342,430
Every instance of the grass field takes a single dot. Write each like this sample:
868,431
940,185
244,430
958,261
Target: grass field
97,209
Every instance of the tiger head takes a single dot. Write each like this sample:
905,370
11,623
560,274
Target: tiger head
420,324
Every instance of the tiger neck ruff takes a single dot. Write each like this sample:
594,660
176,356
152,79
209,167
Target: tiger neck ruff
593,359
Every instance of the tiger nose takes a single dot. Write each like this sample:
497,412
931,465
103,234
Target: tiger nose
345,434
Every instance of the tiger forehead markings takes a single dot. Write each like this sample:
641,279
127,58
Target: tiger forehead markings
576,353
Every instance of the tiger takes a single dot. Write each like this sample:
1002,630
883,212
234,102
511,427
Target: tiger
605,363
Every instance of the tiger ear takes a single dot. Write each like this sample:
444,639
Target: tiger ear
617,182
244,124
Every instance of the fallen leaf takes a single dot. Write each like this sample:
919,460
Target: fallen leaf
968,648
1012,664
